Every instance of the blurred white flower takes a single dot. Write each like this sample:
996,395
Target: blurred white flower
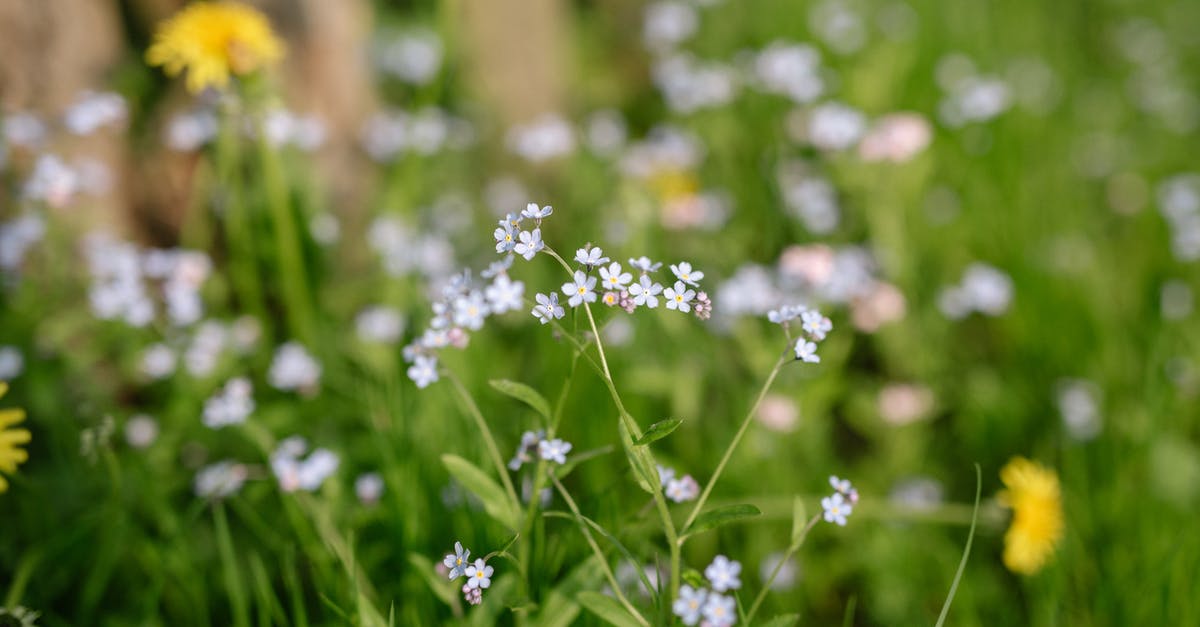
682,489
1079,405
904,403
141,431
719,610
896,137
689,604
723,574
187,132
606,132
504,294
413,56
16,238
379,323
23,129
788,573
293,368
793,70
95,110
158,361
423,371
231,405
471,310
368,488
296,473
52,182
983,288
554,450
807,351
668,24
837,24
836,509
325,228
12,363
219,480
546,137
835,126
644,264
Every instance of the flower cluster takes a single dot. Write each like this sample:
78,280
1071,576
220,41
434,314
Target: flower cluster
710,606
841,503
814,325
478,574
983,288
552,450
120,272
232,405
295,473
293,368
678,489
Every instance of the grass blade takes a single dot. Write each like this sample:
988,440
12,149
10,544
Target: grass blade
962,564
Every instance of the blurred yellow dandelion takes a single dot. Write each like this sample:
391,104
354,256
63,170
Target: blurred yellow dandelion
211,40
1034,495
10,439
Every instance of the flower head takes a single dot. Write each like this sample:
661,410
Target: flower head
534,213
554,450
1034,495
815,324
459,561
684,272
505,240
212,40
644,264
689,604
844,488
613,279
723,573
10,440
423,371
703,306
836,509
530,243
807,351
590,256
479,575
720,610
547,307
679,297
645,292
682,489
580,290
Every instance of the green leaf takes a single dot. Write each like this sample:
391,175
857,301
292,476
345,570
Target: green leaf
799,520
659,430
574,460
643,471
495,501
523,393
607,608
783,620
714,518
962,565
442,588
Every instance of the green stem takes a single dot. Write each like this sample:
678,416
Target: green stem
587,534
238,226
293,277
762,594
737,438
493,450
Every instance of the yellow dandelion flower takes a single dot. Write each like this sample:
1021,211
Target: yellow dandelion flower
211,40
10,455
1037,527
670,185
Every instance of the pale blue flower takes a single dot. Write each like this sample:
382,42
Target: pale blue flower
613,279
590,256
686,274
644,264
530,243
645,292
423,371
504,239
815,324
723,573
679,297
836,509
459,561
479,575
807,351
534,213
581,290
547,308
554,450
689,604
505,294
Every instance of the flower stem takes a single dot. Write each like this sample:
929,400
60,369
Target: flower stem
287,240
488,439
587,534
737,438
762,594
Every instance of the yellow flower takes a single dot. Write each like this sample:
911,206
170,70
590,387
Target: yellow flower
670,185
213,39
10,455
1033,494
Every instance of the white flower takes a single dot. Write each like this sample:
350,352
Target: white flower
470,311
524,455
459,562
423,371
531,242
219,480
379,324
845,488
815,324
679,296
510,221
504,238
723,573
683,489
504,294
293,368
836,509
12,363
232,405
645,292
807,351
497,268
590,256
554,450
295,473
581,290
368,488
665,474
479,575
684,273
719,610
786,313
689,604
141,431
613,278
644,264
547,308
534,213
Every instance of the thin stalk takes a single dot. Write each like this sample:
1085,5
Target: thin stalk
737,438
493,450
293,281
762,594
587,534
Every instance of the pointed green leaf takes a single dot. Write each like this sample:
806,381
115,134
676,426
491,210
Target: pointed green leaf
659,430
643,471
799,519
714,518
607,608
523,393
494,500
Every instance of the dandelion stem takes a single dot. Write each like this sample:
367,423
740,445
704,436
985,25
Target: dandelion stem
737,438
608,573
762,594
287,239
488,439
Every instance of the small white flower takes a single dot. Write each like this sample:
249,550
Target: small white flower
613,279
664,475
524,455
844,488
785,313
686,274
723,573
581,290
679,297
423,371
547,308
534,213
683,489
590,256
504,294
815,324
368,488
807,351
510,220
496,268
644,264
293,368
158,362
232,405
554,450
645,292
379,323
479,575
530,243
836,509
504,238
459,561
219,480
719,610
470,311
689,604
